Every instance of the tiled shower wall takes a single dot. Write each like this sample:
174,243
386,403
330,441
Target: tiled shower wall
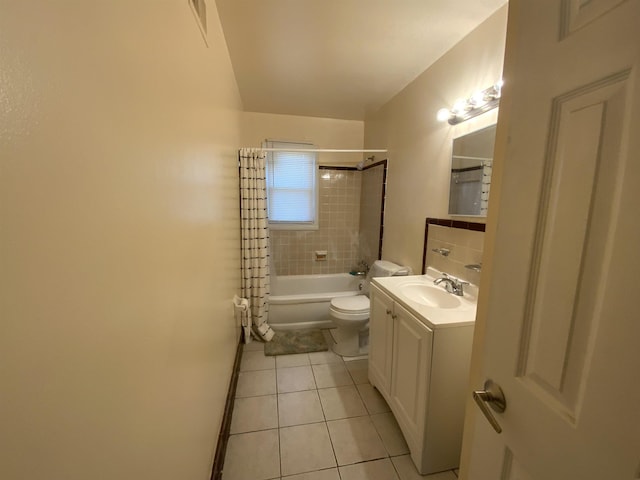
371,212
293,252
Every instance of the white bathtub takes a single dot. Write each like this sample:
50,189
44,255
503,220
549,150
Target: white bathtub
302,301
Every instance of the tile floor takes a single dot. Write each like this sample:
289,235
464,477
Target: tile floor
313,417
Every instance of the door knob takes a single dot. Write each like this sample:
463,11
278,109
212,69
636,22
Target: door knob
492,395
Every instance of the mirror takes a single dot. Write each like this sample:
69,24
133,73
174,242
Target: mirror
471,164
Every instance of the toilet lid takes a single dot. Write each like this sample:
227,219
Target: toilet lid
351,304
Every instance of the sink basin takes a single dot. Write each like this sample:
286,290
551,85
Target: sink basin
430,295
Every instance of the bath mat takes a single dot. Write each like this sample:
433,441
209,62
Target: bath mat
296,341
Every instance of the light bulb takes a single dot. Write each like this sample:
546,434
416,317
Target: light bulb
443,114
478,99
459,106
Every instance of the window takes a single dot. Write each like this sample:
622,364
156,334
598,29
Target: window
292,191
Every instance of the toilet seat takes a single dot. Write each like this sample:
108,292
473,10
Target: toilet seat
355,308
355,304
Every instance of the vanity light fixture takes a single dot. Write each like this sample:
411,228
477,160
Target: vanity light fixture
477,104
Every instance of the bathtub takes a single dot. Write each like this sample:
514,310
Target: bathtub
302,301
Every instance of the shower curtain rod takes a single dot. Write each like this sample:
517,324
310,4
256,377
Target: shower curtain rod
321,150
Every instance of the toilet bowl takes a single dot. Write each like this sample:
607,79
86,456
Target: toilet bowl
351,314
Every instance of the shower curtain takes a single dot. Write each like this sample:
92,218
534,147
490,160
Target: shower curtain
255,239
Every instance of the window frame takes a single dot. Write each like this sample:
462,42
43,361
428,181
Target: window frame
293,225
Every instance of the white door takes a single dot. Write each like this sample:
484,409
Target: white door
559,313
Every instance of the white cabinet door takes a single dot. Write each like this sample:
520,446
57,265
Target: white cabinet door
380,340
412,344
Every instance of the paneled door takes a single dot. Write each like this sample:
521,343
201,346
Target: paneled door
380,340
559,317
412,350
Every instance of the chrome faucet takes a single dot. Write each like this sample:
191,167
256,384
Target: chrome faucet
362,270
452,285
363,266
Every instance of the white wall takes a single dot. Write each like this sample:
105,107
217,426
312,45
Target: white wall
420,147
322,132
118,239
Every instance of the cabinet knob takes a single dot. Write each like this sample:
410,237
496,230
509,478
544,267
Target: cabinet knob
394,316
388,312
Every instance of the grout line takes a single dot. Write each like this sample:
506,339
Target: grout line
279,428
395,468
278,418
333,449
375,429
326,425
324,414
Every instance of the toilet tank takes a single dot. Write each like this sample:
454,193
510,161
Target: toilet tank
384,268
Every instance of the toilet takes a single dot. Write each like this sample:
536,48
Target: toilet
351,314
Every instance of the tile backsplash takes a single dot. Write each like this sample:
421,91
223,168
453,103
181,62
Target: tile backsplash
465,248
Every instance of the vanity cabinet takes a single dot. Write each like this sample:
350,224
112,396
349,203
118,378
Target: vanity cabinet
422,371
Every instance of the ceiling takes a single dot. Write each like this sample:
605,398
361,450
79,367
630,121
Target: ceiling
339,58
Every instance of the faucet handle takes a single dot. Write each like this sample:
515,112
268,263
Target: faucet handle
459,288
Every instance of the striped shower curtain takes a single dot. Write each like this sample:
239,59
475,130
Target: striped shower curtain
255,238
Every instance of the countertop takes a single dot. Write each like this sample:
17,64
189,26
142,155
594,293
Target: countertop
433,317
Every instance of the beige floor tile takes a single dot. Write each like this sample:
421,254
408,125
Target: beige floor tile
341,402
252,456
359,370
295,379
251,414
295,360
407,470
324,357
376,470
390,433
449,475
255,383
329,474
305,448
256,361
253,346
355,440
298,408
372,399
331,375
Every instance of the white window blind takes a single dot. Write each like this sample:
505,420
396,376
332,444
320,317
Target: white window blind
291,187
